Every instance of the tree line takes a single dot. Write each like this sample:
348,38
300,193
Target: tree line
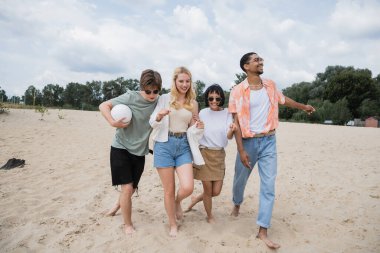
339,94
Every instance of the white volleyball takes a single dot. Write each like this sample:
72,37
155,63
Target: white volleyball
121,111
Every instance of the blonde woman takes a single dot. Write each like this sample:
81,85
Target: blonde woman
174,114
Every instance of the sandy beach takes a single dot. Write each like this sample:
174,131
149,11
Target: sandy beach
327,192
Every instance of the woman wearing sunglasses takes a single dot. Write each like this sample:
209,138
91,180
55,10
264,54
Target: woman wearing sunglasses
174,114
218,129
130,144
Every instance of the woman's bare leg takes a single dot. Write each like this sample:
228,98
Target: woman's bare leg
194,200
217,187
207,200
186,186
168,183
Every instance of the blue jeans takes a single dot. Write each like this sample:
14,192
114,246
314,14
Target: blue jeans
262,150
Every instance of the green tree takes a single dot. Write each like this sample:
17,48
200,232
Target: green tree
130,84
316,92
52,95
227,98
199,87
164,90
369,108
240,77
341,114
75,94
112,89
325,112
298,92
33,96
3,96
353,84
94,89
286,113
14,100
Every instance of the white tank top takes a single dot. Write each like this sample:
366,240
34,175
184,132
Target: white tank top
259,105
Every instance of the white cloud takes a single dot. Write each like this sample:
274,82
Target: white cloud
285,26
190,21
295,49
356,18
79,40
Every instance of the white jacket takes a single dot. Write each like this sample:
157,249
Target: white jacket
160,131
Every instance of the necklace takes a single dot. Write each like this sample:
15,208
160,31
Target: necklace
256,86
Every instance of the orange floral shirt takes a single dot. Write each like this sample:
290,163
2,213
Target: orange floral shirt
239,104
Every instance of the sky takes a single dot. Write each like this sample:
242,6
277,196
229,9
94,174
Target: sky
57,42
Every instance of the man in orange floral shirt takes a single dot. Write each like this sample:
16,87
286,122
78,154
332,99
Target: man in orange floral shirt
254,105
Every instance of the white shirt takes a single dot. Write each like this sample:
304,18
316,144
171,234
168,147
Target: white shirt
216,127
259,109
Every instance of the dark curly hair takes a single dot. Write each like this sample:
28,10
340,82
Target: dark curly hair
215,88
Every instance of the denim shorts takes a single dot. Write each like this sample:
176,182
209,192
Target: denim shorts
173,153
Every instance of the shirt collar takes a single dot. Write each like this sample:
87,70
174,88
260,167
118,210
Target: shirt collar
246,84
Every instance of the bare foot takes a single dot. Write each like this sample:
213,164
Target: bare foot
211,220
129,229
235,211
262,235
194,201
112,211
173,231
178,211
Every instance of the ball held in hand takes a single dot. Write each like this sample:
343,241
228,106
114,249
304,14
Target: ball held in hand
121,111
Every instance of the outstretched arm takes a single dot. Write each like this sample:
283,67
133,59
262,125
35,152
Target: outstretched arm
293,104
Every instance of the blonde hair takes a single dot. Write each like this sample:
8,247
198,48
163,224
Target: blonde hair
190,94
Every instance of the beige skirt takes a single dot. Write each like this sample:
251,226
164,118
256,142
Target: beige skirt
214,168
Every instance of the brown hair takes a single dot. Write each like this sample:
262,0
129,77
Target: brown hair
150,78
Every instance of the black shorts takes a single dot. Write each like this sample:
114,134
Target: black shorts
126,167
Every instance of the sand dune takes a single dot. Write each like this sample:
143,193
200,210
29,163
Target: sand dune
328,195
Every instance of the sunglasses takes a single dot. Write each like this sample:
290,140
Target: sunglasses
258,59
148,92
210,99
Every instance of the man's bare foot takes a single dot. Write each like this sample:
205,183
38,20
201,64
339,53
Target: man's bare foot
194,201
235,211
112,211
262,235
173,231
178,211
129,229
211,220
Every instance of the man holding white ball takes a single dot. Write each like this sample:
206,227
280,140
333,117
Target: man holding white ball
130,144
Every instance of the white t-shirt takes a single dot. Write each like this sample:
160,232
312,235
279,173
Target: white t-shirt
259,109
217,124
